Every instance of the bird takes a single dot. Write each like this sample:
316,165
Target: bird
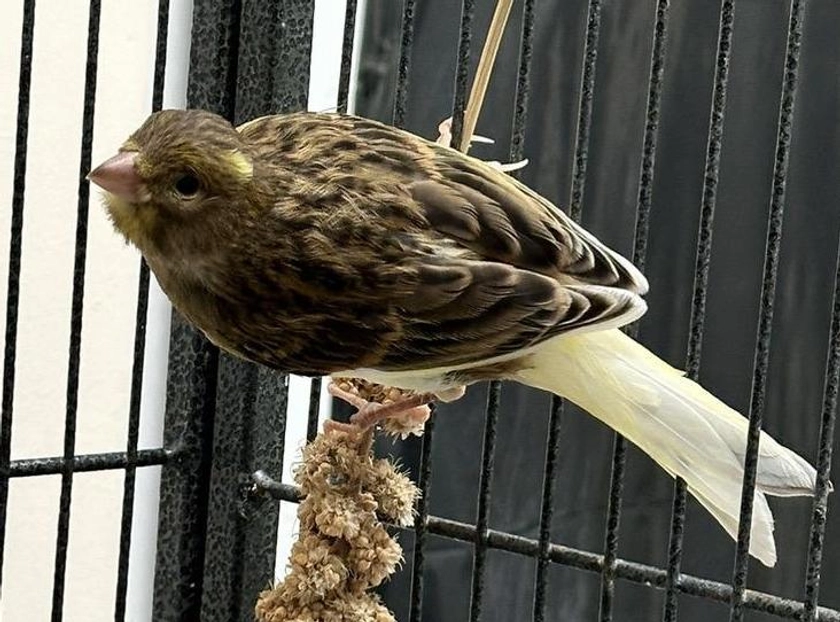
330,244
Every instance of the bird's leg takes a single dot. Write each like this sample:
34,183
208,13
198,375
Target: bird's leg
445,138
401,414
415,407
356,401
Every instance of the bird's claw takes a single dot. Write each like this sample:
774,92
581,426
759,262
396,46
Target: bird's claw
405,416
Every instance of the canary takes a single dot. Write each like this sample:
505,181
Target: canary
328,244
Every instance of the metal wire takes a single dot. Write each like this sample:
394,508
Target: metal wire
139,353
651,135
584,122
347,54
404,66
462,70
63,530
15,251
608,571
552,454
768,295
580,559
488,455
552,451
644,205
33,467
823,486
701,277
314,409
523,83
420,523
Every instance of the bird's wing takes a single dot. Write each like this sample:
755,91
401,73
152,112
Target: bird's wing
494,267
499,218
531,272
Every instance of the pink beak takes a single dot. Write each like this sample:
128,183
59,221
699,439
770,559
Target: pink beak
119,176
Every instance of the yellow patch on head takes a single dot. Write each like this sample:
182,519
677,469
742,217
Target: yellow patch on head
240,163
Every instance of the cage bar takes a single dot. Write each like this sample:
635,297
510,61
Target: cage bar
584,121
701,279
488,455
347,54
634,572
314,407
642,230
768,296
15,251
523,83
462,71
552,455
421,528
33,467
193,361
63,529
823,484
404,65
129,483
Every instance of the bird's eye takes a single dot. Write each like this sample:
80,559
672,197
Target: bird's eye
187,185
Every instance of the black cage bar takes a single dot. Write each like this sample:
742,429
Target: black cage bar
223,448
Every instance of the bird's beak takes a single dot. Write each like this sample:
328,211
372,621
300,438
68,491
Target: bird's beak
118,175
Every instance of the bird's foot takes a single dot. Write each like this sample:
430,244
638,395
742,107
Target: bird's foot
404,415
445,139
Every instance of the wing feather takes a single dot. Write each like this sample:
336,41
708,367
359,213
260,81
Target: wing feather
484,265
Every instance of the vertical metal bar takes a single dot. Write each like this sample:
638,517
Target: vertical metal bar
314,407
823,487
517,151
15,252
552,453
488,454
268,430
232,449
347,55
185,480
584,123
701,278
462,70
127,513
711,177
640,243
273,49
420,523
523,83
404,66
651,134
768,295
193,361
63,529
242,535
294,48
611,533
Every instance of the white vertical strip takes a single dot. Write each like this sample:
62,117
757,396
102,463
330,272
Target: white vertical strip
358,33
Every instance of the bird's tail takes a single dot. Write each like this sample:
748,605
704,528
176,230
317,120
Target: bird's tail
685,429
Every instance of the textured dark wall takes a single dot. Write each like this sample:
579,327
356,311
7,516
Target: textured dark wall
806,276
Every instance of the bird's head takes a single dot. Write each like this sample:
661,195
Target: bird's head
174,176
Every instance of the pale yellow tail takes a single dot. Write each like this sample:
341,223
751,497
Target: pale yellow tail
685,429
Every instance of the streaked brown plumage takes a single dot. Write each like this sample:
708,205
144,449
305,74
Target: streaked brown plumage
330,244
344,243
